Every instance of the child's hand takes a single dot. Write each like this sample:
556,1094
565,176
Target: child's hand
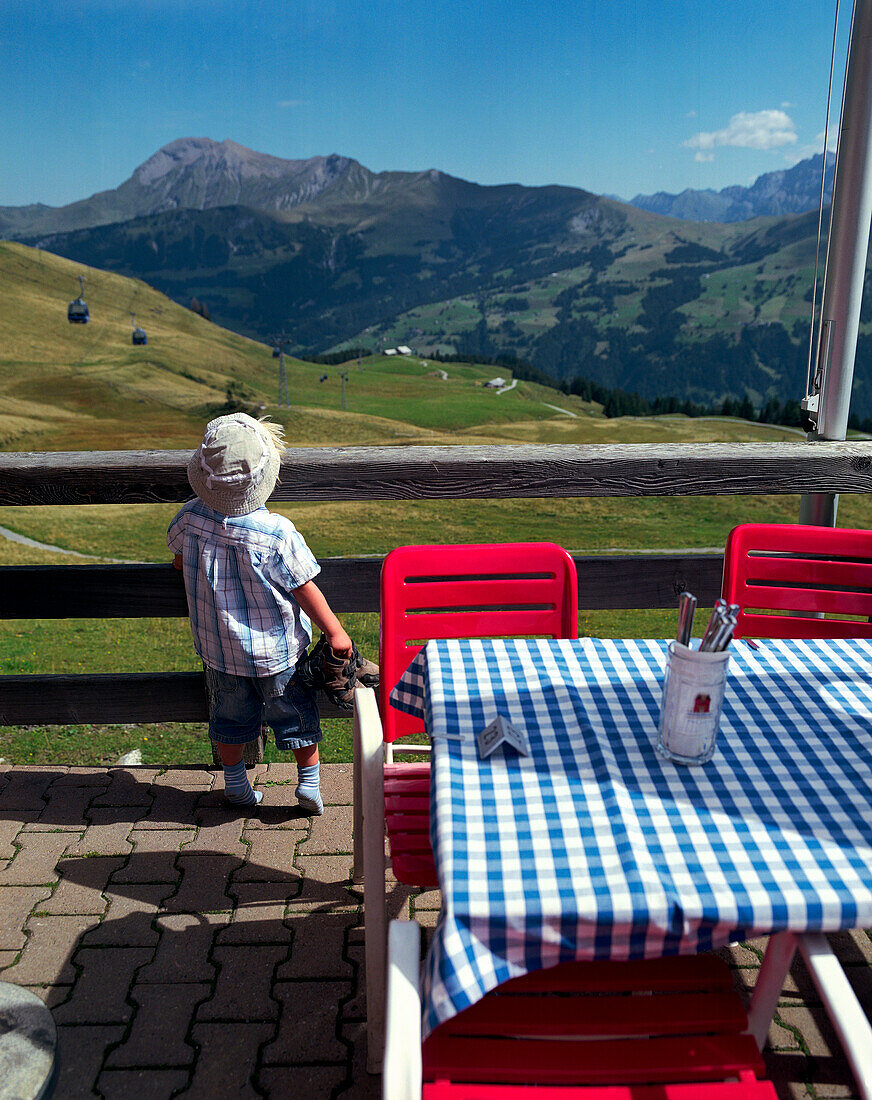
177,561
340,642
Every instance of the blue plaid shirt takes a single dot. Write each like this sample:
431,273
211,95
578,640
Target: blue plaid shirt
240,573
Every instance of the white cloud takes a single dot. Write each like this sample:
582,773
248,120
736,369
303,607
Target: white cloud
701,156
749,130
285,104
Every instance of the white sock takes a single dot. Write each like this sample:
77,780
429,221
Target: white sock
307,792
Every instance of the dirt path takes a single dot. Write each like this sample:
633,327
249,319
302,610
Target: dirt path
23,540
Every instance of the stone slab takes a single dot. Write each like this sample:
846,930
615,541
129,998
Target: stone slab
81,1053
158,1034
130,919
141,1084
47,955
154,856
319,948
271,856
244,984
28,1043
16,905
184,951
307,1023
216,1075
34,864
259,914
81,885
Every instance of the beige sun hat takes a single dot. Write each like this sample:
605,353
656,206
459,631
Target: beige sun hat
236,467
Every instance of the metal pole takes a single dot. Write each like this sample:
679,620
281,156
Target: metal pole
283,379
847,247
280,342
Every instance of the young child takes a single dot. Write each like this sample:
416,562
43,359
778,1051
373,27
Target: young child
249,582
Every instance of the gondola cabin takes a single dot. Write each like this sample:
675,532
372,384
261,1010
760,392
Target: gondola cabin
138,336
77,310
276,353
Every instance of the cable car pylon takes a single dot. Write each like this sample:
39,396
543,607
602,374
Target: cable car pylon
279,343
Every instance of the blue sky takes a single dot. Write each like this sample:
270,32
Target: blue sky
615,96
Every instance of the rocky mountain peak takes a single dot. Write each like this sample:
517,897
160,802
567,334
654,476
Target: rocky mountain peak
225,158
199,173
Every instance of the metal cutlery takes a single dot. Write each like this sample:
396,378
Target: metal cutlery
719,632
686,608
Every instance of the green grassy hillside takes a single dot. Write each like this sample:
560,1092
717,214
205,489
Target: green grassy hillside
66,386
77,387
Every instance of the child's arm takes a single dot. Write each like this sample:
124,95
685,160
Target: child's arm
312,600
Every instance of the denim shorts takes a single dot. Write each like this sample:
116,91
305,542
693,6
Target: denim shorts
239,705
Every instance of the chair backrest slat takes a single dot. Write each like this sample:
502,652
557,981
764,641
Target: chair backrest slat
492,590
787,577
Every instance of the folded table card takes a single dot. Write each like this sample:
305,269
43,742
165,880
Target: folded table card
501,732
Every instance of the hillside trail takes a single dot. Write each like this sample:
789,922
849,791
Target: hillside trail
23,540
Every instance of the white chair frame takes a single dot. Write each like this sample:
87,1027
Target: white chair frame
844,1010
369,863
370,754
402,1078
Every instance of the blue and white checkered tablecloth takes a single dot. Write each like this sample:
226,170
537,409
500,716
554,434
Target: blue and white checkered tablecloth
595,847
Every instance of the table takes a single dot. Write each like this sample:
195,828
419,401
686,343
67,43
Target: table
594,847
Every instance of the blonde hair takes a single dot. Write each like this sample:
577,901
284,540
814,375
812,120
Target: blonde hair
275,435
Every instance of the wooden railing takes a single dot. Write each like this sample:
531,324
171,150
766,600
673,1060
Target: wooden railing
351,584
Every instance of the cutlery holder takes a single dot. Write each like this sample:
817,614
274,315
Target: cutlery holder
690,707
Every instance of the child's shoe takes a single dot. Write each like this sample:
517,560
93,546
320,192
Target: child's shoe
323,670
367,671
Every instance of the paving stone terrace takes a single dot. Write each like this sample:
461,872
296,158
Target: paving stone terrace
187,951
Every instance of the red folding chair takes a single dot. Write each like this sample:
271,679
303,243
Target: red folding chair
802,581
661,1029
485,591
489,590
798,581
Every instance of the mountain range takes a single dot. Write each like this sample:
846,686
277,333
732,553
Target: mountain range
201,174
789,191
325,254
